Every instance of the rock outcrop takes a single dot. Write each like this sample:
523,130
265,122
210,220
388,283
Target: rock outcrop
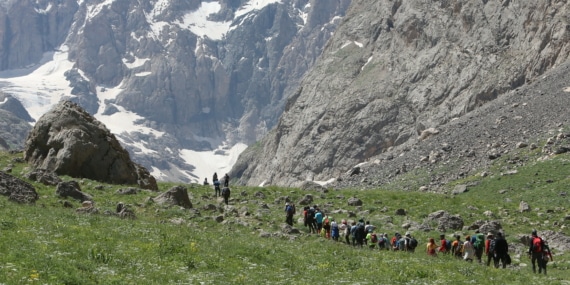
175,196
413,66
17,190
69,141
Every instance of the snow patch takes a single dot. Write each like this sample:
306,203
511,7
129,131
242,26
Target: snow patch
208,162
94,10
323,183
358,44
136,63
368,61
197,22
38,88
142,74
44,11
567,89
252,5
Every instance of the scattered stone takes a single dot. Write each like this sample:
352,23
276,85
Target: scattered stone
400,212
306,200
259,195
43,176
459,189
445,221
353,201
524,207
219,218
175,196
522,145
128,191
312,186
72,190
17,190
355,171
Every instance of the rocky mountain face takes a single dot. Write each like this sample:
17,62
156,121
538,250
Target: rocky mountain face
396,71
203,73
14,122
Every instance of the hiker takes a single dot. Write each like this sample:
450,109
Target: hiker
479,246
289,212
431,247
536,252
457,247
311,220
501,250
327,227
226,180
335,233
319,219
368,227
489,247
226,194
215,178
468,250
443,247
353,233
408,243
206,181
395,240
360,233
383,242
371,239
345,228
217,191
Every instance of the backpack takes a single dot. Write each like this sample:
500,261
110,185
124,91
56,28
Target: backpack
413,243
492,246
360,229
374,238
226,191
537,244
326,223
382,243
479,244
447,245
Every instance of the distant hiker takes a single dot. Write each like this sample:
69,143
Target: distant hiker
457,247
319,219
383,242
226,194
345,229
226,180
289,212
468,250
335,230
311,220
490,247
327,227
409,243
215,178
395,240
372,239
353,233
305,211
360,234
206,181
501,250
368,227
217,191
479,246
444,246
536,252
431,247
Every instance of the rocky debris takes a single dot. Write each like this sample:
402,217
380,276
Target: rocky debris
524,207
400,212
486,226
306,200
87,207
175,196
69,141
445,221
124,212
128,191
43,176
459,189
72,190
353,201
17,190
312,186
287,229
258,195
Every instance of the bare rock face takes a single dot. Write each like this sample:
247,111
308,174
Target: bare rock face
69,141
71,189
394,69
17,190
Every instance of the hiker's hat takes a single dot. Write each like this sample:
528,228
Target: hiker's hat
489,234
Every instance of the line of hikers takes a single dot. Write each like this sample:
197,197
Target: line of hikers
362,234
224,192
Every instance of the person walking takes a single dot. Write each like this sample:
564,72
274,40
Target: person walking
536,252
468,250
431,247
489,248
289,212
226,180
501,250
226,194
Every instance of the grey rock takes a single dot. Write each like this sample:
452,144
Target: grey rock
43,176
306,200
17,190
69,141
400,212
524,207
445,221
128,191
72,190
312,186
459,189
175,196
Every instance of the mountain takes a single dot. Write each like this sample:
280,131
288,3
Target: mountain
185,85
397,71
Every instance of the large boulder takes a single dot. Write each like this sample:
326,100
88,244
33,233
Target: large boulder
177,196
69,141
17,190
445,221
71,189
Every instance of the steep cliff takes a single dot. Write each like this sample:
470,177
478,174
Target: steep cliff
396,68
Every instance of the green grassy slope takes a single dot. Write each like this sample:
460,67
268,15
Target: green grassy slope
46,243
